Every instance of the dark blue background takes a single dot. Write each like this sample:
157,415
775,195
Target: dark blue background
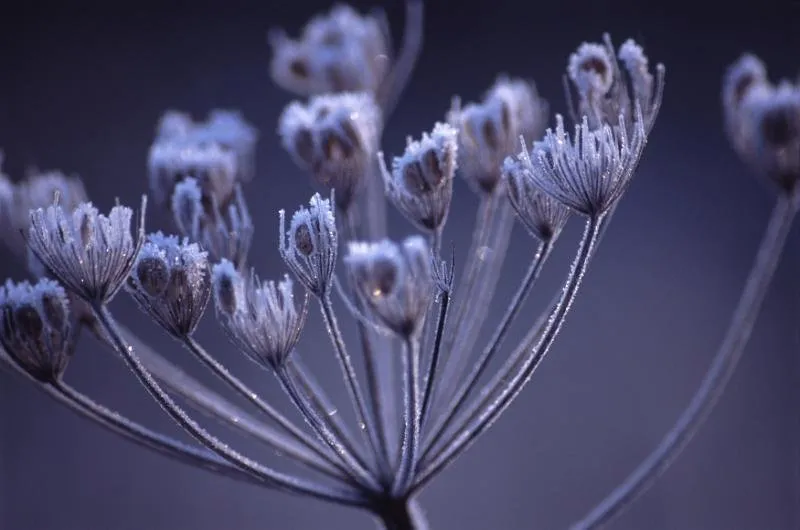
81,88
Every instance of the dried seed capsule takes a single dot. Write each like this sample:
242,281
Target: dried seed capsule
310,246
89,253
394,281
420,184
541,215
35,329
335,137
590,171
261,318
339,51
171,282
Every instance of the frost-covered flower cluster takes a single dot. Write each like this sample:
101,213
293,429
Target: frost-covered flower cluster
401,292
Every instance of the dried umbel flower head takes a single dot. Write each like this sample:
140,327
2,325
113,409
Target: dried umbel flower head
225,231
171,281
341,51
226,128
35,329
607,88
590,171
261,318
89,253
420,184
540,214
214,167
335,137
395,281
310,246
763,121
489,131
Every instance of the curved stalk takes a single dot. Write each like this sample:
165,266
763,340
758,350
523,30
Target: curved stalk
716,379
89,409
361,475
297,434
397,78
484,414
280,480
401,514
351,380
461,395
411,416
205,400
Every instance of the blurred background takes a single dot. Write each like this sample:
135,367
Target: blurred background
82,89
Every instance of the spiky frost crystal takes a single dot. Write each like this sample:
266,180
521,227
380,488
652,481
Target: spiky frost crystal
310,246
171,281
35,328
590,171
89,253
261,318
542,215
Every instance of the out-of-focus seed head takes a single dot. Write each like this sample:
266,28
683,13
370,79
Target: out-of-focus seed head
341,51
261,318
171,282
746,72
89,253
770,132
591,69
606,88
540,214
214,167
226,128
335,137
38,189
590,171
309,247
420,184
489,131
394,281
35,328
225,231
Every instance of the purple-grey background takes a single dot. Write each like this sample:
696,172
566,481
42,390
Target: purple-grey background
81,90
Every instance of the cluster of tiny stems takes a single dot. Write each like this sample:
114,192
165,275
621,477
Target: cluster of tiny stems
398,292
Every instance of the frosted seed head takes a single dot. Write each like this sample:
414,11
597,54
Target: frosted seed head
35,329
489,131
394,281
337,51
214,166
227,287
309,246
334,137
591,69
589,171
540,214
420,184
265,322
89,253
171,282
769,137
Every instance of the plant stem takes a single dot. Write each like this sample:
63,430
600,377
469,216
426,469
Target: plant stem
480,417
350,377
719,373
482,363
401,514
411,416
323,430
398,76
277,479
433,362
235,383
